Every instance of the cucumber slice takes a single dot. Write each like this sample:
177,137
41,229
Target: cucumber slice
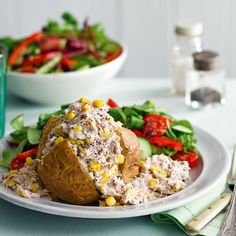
146,148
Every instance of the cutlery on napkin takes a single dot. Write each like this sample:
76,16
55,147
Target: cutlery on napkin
183,215
217,206
195,217
198,222
229,226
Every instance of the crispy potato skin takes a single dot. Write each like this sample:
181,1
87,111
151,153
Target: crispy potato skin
63,175
46,130
131,150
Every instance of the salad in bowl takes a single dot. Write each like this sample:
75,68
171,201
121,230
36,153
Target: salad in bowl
91,153
70,58
61,47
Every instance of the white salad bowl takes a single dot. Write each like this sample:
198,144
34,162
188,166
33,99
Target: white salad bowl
61,88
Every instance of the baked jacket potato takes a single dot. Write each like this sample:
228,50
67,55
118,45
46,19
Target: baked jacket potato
65,177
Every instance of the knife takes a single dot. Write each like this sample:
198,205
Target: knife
198,222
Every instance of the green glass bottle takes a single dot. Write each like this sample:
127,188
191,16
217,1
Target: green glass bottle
3,87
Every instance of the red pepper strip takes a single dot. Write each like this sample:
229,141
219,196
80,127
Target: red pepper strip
113,56
158,117
40,59
28,69
69,61
166,142
17,52
29,153
112,103
137,132
190,156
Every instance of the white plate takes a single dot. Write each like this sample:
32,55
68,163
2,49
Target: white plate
212,169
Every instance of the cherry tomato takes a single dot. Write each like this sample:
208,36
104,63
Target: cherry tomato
190,156
155,125
137,132
17,163
112,103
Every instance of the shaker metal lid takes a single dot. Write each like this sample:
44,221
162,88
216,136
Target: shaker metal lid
206,60
189,28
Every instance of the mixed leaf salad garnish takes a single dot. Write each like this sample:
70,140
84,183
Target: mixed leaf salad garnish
61,47
157,132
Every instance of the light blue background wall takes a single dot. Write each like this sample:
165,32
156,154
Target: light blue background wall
146,26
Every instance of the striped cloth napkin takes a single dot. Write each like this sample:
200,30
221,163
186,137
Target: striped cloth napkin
182,215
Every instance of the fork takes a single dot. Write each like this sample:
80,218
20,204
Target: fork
229,226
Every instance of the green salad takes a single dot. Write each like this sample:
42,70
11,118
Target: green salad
61,47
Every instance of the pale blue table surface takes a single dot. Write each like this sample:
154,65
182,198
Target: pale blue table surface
16,220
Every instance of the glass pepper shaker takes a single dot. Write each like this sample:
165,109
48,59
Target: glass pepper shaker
205,84
188,39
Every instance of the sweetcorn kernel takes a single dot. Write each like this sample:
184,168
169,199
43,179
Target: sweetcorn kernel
79,142
72,141
84,100
163,174
176,187
142,164
13,172
28,161
98,103
78,128
110,201
85,107
121,159
11,182
88,141
153,183
59,140
105,177
70,115
35,187
94,166
155,169
105,134
83,152
101,188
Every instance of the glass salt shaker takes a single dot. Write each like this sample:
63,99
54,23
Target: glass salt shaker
205,84
187,41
